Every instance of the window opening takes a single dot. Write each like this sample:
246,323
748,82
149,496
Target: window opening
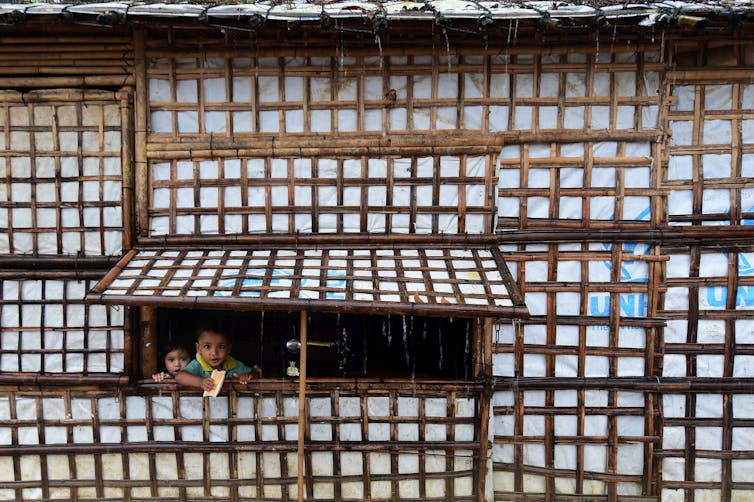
339,345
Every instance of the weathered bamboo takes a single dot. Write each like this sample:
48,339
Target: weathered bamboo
51,262
78,81
21,274
731,236
303,326
649,384
53,380
221,146
108,278
127,167
289,304
141,126
149,340
157,48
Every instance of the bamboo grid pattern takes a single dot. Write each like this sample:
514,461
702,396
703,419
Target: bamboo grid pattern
463,280
60,173
448,194
707,449
571,414
47,328
149,442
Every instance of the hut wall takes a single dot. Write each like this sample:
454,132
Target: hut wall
629,380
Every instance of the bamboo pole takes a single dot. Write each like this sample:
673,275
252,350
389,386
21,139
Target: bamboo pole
301,405
148,339
733,236
141,170
201,145
128,169
58,262
79,81
288,304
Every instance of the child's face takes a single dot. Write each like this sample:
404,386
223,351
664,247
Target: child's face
213,347
176,360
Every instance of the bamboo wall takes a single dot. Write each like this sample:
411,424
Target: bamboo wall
630,381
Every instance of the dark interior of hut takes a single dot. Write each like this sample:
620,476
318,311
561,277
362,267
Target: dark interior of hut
340,345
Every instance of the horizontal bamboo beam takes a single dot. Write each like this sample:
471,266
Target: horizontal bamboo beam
55,82
726,75
64,70
235,446
57,262
296,304
21,274
62,379
716,236
215,146
157,48
425,387
645,384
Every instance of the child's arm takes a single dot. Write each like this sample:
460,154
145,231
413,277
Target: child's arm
186,378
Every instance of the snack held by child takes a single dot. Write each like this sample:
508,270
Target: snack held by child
213,355
176,358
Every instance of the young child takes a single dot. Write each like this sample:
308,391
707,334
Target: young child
213,353
176,358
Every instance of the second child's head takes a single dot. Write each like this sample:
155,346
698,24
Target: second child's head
214,347
176,358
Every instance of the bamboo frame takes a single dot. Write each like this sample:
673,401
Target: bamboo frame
303,326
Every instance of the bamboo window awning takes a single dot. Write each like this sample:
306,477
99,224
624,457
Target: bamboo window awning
437,281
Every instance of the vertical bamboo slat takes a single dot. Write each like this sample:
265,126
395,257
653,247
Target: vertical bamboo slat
141,127
148,348
302,419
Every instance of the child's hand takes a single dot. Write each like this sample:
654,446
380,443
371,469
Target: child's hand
159,377
245,378
208,384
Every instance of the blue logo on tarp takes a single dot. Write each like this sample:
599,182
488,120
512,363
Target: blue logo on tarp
336,283
630,304
717,296
255,280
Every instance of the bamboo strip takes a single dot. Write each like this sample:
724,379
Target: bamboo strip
44,262
733,237
53,380
148,341
158,49
127,167
141,126
293,304
63,70
21,274
301,404
648,384
199,143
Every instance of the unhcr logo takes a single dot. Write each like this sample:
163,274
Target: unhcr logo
630,304
717,296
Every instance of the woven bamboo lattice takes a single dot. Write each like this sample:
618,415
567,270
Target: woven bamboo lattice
422,443
593,317
47,328
706,449
408,280
448,194
217,94
710,175
60,173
